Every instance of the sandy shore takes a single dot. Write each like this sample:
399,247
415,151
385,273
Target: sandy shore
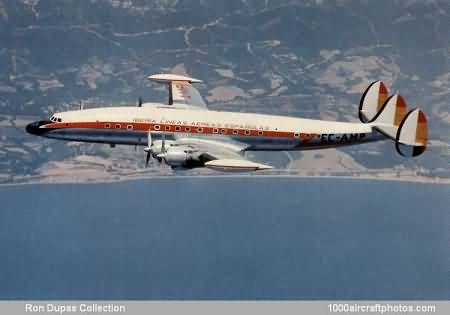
83,179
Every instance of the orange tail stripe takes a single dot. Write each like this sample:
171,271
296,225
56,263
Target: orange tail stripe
422,129
400,110
382,96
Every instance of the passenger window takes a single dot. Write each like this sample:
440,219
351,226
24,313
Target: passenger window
156,127
130,127
199,129
177,128
247,132
167,128
260,133
187,129
118,126
296,135
215,130
107,125
223,131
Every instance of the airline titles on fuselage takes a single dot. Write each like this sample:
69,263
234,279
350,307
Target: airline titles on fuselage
201,124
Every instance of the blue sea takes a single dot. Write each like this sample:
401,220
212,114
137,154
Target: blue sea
226,238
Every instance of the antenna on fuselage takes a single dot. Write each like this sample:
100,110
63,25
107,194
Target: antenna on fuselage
81,105
140,101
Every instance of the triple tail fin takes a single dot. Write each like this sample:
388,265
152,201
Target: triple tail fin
409,130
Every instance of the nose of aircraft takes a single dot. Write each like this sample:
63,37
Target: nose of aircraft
33,128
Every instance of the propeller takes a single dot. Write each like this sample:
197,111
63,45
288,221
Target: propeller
155,152
162,156
148,149
140,101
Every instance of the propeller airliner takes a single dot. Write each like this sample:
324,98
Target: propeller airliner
184,134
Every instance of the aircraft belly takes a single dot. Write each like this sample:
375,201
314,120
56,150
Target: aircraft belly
311,141
268,143
99,136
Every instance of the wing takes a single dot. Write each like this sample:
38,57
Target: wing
181,91
223,156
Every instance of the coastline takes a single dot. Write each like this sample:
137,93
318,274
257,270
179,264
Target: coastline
64,179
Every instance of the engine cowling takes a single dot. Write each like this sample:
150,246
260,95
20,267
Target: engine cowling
176,157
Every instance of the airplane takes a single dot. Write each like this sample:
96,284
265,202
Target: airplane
184,134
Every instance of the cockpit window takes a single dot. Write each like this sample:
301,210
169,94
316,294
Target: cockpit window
54,119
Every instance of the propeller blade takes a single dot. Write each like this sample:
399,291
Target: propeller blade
148,149
163,144
147,159
163,154
149,139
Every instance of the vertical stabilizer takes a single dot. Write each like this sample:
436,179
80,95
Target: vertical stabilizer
390,115
372,101
412,134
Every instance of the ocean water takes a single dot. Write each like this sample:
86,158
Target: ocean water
226,238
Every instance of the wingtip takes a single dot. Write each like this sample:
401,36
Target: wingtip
169,77
236,165
265,167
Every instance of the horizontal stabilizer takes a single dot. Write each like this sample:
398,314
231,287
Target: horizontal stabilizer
236,165
181,91
168,77
390,116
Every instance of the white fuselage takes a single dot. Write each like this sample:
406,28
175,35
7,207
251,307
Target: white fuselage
130,125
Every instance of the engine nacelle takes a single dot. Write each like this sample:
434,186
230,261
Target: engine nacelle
176,157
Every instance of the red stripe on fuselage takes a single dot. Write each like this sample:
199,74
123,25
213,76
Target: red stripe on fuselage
175,128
